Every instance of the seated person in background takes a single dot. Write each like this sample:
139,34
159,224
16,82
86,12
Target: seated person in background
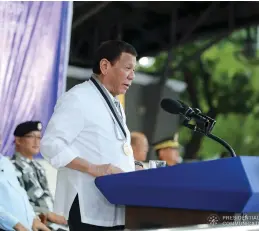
31,174
16,212
139,145
168,150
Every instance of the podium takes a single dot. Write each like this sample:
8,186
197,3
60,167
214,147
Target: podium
207,192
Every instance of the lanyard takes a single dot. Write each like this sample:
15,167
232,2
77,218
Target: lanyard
110,104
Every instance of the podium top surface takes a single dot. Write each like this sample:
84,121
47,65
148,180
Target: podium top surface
227,185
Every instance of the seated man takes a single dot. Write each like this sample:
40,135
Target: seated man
168,150
31,174
16,212
139,145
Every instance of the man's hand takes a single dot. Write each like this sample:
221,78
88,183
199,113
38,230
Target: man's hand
20,227
103,170
55,218
84,166
38,226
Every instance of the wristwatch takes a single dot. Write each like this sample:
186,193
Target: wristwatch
139,163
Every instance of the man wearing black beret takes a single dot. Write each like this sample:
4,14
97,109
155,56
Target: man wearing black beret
31,174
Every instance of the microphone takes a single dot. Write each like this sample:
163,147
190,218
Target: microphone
177,107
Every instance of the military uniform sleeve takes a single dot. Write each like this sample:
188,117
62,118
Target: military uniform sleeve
64,126
43,204
46,201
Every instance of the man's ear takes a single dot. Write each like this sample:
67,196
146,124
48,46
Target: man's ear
104,66
17,140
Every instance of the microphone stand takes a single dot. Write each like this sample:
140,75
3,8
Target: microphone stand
211,136
224,143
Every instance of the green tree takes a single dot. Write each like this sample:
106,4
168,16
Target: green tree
224,87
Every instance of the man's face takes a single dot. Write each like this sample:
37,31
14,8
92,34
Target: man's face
171,155
29,143
119,76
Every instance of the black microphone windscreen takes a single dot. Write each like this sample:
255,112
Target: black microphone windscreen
171,106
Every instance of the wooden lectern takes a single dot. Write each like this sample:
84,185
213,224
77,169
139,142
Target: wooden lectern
208,192
149,217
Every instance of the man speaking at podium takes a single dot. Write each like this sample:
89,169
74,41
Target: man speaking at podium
87,137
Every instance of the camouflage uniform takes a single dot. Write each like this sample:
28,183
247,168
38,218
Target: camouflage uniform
32,178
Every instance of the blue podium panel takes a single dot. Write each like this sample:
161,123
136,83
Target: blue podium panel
226,185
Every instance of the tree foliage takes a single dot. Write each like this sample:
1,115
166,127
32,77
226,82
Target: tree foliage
224,85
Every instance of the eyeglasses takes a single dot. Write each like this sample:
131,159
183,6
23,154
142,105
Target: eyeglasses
33,137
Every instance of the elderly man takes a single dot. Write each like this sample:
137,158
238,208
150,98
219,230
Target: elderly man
139,145
31,174
87,137
16,212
